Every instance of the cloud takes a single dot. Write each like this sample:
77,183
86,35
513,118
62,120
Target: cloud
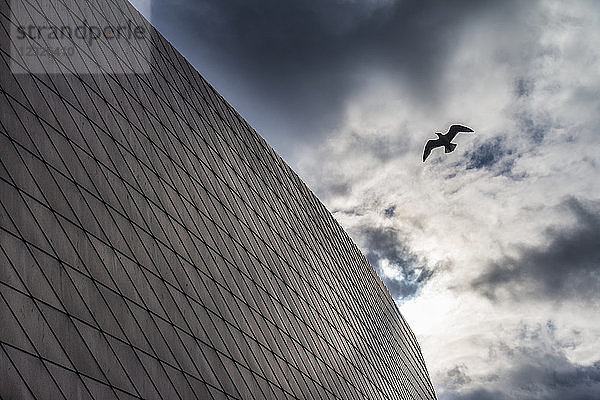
528,363
389,211
535,127
476,394
568,266
494,154
523,87
555,379
291,67
458,376
402,271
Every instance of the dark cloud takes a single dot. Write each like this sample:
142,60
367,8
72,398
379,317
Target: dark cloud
477,394
290,66
382,147
547,377
493,153
390,211
535,126
457,377
524,87
335,187
569,266
383,245
576,382
533,366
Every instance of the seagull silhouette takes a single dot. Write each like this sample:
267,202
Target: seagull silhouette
444,140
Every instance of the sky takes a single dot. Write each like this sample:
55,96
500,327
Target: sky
491,252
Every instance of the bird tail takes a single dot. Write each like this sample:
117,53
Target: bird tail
450,148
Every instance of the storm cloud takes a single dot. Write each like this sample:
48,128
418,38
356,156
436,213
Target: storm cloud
548,378
567,266
292,65
533,365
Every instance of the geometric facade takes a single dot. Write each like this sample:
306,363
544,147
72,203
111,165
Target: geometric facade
152,245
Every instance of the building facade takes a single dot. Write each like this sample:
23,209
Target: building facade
154,246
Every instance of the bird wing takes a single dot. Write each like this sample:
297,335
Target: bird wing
430,145
455,129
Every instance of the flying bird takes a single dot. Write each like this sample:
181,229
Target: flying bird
444,140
